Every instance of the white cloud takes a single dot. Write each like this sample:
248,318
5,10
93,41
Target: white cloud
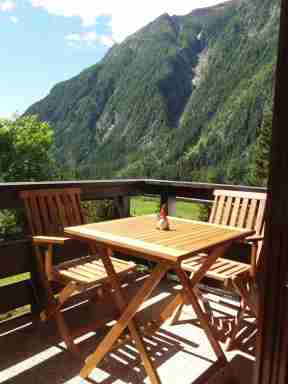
126,16
88,38
106,40
7,6
73,37
14,19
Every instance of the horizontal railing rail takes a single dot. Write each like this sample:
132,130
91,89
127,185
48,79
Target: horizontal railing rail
90,190
101,189
16,256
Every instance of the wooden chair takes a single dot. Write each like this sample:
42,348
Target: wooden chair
48,212
244,210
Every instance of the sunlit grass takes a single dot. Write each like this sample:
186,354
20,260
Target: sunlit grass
146,205
141,205
14,279
9,281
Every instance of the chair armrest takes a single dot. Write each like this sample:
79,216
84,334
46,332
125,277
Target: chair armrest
48,242
38,240
253,239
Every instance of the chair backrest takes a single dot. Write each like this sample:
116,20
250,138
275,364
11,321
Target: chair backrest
239,209
49,211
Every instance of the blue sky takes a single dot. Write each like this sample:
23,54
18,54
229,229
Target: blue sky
47,41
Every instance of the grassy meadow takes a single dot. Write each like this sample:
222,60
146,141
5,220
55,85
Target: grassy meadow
142,205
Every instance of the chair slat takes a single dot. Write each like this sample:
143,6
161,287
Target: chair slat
252,211
83,272
235,212
218,264
259,227
27,204
93,269
75,276
55,219
243,213
219,210
76,208
241,194
213,210
235,270
61,211
71,219
227,211
44,214
79,210
36,217
226,266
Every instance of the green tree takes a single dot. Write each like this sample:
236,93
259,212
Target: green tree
260,166
26,150
26,146
263,148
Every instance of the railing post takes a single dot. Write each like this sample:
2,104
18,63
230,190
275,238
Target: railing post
38,298
126,206
123,205
170,201
171,205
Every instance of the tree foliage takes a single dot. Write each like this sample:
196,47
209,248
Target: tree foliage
260,166
26,154
26,150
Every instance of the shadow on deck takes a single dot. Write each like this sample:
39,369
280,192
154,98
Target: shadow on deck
34,354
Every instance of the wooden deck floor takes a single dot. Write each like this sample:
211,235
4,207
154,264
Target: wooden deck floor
181,353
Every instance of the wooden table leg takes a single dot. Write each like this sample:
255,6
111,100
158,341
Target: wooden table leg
170,308
130,311
192,296
202,316
106,255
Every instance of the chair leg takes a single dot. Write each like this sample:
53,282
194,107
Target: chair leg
243,288
205,304
236,327
65,334
55,306
246,288
53,310
175,318
52,307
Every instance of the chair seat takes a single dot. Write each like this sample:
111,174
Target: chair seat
89,270
223,269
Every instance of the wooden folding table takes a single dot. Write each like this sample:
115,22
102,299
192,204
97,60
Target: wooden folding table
138,236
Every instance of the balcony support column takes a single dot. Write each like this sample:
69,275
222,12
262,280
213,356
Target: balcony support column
272,355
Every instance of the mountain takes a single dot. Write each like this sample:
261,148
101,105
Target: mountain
183,97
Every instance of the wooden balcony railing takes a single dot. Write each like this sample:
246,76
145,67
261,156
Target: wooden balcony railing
16,256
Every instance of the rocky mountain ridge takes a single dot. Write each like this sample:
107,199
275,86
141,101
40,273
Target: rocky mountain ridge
182,98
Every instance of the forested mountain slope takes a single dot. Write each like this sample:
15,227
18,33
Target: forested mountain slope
183,97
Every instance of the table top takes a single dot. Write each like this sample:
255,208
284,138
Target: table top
139,236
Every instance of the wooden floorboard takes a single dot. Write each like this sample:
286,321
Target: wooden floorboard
181,353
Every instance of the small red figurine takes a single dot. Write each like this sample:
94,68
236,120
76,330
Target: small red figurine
163,223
